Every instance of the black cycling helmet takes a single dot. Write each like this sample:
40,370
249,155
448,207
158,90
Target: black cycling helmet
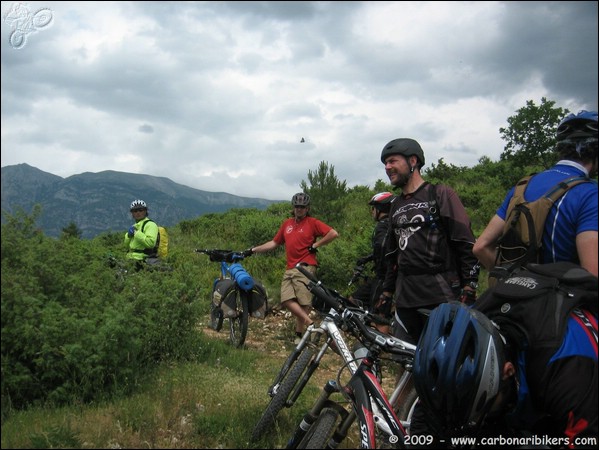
458,365
581,125
137,204
382,201
300,199
403,146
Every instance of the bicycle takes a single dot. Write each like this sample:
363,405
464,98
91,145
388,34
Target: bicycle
306,357
235,295
370,405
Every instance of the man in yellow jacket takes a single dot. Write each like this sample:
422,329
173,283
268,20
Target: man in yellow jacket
142,236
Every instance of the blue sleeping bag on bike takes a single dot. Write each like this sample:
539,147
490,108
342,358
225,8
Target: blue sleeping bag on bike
243,279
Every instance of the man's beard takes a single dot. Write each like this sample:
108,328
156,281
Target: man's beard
402,180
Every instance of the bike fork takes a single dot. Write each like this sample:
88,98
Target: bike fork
307,375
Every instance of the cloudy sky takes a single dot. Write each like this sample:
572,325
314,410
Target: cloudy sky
218,95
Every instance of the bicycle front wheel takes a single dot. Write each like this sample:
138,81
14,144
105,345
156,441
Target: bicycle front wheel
321,430
405,409
281,396
238,325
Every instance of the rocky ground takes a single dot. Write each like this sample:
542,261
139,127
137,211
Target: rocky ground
275,334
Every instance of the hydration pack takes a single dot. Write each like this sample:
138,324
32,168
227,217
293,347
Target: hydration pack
160,250
522,237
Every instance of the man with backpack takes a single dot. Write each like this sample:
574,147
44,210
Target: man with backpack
516,370
142,238
570,230
429,242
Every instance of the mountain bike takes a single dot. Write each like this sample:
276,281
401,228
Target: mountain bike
328,422
235,295
307,355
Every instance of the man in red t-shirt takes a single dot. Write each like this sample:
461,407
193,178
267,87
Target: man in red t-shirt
299,234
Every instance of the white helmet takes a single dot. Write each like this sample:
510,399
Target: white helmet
138,204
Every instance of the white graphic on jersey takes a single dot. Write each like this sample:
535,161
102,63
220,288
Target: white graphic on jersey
403,233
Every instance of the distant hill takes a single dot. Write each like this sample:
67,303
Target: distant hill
99,202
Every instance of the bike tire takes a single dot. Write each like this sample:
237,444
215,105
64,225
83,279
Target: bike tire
238,326
279,399
216,317
321,430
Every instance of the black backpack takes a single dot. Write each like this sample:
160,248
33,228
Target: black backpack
533,303
521,240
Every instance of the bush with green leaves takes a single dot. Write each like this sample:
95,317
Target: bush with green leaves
76,329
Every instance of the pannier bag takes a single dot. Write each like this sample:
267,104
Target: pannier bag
259,301
223,297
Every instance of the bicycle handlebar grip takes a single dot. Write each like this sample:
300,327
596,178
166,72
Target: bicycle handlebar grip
241,276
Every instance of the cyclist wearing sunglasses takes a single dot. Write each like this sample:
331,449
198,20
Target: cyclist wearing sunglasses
571,227
142,235
302,235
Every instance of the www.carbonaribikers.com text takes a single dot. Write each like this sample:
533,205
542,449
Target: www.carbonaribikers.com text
525,441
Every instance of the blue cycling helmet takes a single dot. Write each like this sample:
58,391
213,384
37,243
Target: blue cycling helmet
458,365
581,125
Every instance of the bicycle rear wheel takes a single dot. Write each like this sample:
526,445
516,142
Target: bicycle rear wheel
282,393
238,325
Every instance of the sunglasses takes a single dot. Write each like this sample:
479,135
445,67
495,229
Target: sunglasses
300,207
588,127
137,210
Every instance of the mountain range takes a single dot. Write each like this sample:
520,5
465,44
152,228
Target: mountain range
99,202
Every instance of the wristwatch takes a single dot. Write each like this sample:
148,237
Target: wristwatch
472,285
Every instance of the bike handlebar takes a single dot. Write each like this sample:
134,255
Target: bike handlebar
358,273
218,255
357,318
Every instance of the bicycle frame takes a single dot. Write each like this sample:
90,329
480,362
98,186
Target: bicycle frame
327,328
370,404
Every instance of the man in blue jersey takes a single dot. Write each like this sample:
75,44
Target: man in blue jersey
571,227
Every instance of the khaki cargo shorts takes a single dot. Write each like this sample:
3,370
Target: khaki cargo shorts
294,285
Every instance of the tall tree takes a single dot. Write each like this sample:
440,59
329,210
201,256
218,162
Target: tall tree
71,231
530,134
326,192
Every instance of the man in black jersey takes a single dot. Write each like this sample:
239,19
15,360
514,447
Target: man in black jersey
429,245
